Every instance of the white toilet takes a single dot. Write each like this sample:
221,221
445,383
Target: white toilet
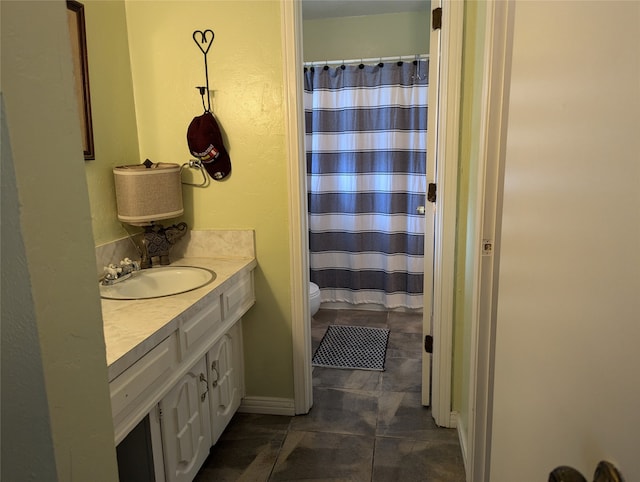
314,298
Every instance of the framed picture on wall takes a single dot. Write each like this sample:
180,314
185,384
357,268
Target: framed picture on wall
75,16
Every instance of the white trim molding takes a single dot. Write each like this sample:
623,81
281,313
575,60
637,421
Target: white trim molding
462,438
446,207
268,406
495,94
291,25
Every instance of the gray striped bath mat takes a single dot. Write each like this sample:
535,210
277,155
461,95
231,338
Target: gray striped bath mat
352,347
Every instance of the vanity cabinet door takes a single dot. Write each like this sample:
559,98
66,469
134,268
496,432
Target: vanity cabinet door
225,379
185,424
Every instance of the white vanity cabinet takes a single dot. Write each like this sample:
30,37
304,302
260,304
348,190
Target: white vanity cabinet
196,411
185,425
225,379
185,390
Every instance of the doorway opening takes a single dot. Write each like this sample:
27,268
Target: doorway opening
444,212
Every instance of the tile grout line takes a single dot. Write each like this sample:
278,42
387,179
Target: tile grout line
277,457
373,456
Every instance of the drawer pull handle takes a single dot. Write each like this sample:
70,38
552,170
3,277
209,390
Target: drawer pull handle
214,370
203,379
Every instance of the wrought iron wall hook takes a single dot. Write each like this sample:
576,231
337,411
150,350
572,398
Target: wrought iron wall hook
203,40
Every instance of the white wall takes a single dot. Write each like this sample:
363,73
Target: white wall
568,318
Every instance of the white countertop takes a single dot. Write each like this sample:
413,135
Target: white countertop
133,327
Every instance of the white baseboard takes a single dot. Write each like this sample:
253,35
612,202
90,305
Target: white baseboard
453,419
268,406
462,438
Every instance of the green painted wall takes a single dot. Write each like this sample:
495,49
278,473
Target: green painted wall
473,51
367,36
58,404
143,94
113,112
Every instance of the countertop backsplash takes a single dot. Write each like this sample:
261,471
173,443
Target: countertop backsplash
217,243
232,243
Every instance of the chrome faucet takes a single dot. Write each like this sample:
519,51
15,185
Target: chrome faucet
114,274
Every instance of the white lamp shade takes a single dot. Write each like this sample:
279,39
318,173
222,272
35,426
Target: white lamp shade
147,194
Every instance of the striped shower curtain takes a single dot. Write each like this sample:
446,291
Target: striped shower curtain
366,130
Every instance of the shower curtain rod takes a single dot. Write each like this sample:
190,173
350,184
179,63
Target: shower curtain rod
397,58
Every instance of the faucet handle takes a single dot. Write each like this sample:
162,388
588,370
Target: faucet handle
129,266
111,272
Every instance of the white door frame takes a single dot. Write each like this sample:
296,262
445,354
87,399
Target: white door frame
291,24
444,250
492,137
447,152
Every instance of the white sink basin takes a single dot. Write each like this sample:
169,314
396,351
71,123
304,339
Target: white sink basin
158,282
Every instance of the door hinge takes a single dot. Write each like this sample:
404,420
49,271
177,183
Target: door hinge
428,343
436,18
159,412
431,192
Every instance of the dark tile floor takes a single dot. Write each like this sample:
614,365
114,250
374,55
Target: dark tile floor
364,425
